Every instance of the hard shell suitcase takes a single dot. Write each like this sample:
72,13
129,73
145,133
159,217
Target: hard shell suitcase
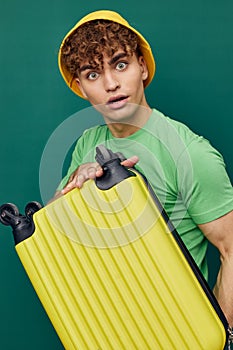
111,271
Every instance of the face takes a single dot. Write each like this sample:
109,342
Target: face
117,89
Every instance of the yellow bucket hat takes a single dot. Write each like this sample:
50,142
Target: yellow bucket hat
115,17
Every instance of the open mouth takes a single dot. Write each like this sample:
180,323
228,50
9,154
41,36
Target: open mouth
117,99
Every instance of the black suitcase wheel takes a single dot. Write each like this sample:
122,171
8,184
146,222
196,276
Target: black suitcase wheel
7,212
31,208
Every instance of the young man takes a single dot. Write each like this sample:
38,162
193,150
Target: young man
105,60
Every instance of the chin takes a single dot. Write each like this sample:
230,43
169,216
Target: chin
119,113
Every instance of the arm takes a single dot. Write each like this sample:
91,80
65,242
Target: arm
91,171
220,233
78,177
85,172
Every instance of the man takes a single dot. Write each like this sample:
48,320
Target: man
105,60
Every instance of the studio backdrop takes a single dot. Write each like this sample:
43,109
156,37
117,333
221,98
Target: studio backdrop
41,118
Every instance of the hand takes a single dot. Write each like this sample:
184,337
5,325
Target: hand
90,171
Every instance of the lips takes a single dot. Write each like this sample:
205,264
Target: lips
116,102
116,99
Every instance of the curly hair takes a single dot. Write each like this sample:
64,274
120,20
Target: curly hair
89,41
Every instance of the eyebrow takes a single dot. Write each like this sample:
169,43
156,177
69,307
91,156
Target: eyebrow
117,57
111,62
85,67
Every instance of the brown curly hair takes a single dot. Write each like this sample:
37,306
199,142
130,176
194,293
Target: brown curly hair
89,41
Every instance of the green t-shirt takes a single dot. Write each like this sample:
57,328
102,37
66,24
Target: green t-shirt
187,174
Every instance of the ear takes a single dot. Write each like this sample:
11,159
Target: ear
143,66
80,87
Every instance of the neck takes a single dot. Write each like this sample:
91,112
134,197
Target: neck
122,130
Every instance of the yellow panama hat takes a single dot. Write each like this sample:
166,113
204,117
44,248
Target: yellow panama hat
115,17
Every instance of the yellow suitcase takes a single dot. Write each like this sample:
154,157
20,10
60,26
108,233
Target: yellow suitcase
111,271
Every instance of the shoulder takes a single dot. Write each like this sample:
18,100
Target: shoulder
166,124
202,178
175,136
176,133
85,146
204,155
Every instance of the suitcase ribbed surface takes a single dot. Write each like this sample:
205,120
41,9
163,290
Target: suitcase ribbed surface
111,276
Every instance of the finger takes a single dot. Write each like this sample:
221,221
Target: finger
81,178
91,172
130,162
68,187
95,171
78,180
99,171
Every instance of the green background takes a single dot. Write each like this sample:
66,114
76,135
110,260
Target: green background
193,47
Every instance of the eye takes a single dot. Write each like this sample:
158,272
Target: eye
121,65
92,76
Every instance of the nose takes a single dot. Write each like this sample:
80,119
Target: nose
111,82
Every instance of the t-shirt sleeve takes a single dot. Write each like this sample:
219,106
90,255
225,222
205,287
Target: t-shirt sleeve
204,183
84,151
76,160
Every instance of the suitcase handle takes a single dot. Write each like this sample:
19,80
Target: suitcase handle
113,171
